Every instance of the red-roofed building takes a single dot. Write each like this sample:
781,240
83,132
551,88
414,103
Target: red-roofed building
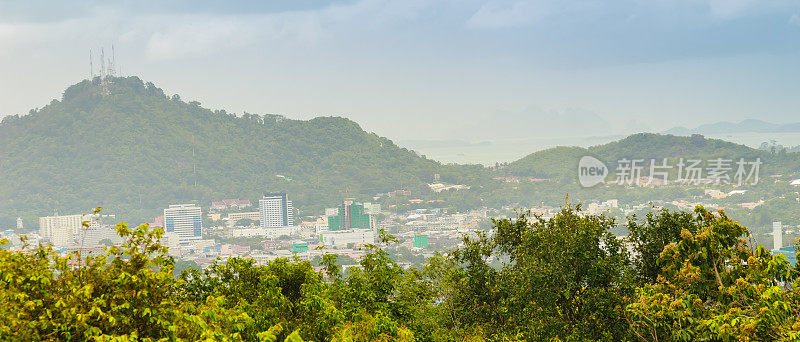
157,222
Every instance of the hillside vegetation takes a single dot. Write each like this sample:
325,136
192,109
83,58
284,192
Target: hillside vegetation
136,150
562,162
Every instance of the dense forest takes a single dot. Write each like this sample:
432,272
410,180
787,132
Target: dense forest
135,150
678,276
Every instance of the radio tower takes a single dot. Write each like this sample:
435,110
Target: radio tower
91,66
104,75
112,63
102,63
107,71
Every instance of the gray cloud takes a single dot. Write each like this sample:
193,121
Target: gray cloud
419,69
48,10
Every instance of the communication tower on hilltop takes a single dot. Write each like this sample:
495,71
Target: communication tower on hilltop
111,63
102,63
108,69
103,72
91,66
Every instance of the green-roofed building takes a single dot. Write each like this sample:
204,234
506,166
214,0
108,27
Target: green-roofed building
299,247
420,241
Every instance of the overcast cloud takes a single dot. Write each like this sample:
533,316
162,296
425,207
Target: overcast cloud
411,69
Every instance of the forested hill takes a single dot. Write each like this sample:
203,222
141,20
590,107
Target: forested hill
135,150
562,162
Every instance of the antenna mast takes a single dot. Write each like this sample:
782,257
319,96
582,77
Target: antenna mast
103,72
91,66
112,63
102,64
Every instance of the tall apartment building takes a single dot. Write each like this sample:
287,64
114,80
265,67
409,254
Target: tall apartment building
63,230
183,221
275,210
350,215
777,235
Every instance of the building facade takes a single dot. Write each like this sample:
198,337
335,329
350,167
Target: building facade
350,215
183,221
275,210
230,204
62,230
420,241
96,234
342,238
254,215
777,235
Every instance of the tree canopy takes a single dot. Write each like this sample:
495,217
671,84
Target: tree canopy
678,276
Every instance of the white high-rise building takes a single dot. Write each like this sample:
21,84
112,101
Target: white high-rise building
20,228
275,210
777,235
62,230
184,222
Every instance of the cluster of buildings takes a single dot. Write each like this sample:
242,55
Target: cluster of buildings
351,223
270,228
183,223
66,231
267,231
341,230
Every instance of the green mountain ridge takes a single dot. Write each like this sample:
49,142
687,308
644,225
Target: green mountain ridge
136,150
562,162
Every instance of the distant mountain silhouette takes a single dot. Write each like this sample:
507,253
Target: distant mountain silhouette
745,126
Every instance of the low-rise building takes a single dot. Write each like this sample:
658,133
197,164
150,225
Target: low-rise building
230,204
252,215
341,238
249,232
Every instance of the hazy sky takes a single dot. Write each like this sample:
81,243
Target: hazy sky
409,69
